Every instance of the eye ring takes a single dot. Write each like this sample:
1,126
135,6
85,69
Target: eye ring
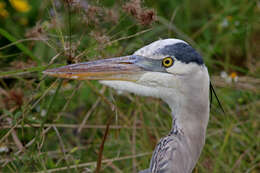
167,62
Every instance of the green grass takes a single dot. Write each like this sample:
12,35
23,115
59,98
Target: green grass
58,125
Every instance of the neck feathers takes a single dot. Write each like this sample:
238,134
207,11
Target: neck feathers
190,112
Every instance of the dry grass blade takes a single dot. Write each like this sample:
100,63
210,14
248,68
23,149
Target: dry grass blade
17,141
113,166
61,144
91,110
128,37
69,100
94,163
134,142
18,41
174,28
10,131
112,106
243,83
74,126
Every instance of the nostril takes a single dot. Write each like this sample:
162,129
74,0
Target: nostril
125,63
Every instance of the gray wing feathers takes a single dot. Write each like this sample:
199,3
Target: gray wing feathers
171,156
145,171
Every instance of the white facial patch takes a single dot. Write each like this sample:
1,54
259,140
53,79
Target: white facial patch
158,79
131,87
149,50
180,68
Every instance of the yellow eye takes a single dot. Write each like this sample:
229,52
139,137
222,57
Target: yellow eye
167,62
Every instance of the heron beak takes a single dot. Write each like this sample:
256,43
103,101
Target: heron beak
128,68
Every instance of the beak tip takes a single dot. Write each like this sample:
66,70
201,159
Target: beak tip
59,72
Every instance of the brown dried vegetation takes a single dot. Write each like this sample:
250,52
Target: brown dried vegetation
143,15
12,98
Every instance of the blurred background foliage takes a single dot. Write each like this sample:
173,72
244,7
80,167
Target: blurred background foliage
49,124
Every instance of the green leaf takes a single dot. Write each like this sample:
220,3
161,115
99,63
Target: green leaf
20,46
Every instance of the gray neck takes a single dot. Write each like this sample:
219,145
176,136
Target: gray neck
191,123
190,111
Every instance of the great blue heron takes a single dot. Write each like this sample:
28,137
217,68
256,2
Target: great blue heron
169,69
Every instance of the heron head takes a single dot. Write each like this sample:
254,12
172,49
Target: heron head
158,69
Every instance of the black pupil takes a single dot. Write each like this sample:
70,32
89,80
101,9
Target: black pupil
167,61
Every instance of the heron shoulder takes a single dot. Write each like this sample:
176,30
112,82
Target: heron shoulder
171,155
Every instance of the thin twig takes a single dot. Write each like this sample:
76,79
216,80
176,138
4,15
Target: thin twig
100,154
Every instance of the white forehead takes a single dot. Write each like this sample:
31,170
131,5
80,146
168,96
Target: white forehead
150,49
